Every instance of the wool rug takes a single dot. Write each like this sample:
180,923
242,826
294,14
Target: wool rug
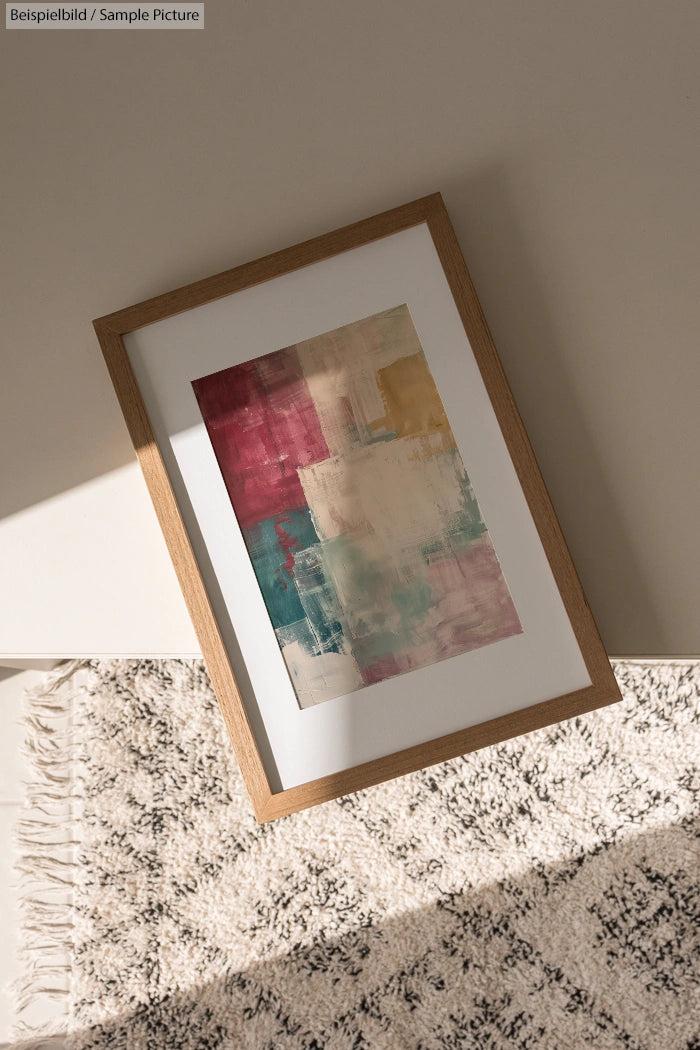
541,893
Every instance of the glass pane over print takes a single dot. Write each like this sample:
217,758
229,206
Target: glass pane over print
364,532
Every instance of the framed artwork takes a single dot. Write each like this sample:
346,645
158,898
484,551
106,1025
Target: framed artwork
361,532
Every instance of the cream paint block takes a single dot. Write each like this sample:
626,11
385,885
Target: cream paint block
89,574
343,364
323,677
379,487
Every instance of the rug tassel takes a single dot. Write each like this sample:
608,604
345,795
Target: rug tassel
44,837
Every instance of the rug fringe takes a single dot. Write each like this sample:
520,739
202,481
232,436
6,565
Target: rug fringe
44,837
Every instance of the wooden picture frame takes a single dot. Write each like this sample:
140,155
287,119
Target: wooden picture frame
551,667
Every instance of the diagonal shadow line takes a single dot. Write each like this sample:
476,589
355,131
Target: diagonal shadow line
601,948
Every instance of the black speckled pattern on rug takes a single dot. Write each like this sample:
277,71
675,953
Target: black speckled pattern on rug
542,893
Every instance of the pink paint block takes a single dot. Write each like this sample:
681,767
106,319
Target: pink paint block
263,426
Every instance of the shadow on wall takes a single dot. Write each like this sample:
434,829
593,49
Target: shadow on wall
602,949
485,215
488,222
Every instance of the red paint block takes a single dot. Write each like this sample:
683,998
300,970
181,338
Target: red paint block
263,427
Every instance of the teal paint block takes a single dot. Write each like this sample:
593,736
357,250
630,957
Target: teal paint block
274,546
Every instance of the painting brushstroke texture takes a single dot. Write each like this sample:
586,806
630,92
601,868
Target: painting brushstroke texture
363,529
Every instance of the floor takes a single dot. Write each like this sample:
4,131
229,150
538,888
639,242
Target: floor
13,684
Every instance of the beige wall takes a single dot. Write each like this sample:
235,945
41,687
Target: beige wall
564,138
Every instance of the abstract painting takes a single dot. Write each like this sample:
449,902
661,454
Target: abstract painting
361,523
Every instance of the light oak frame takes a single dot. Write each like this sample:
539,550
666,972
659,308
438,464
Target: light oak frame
110,332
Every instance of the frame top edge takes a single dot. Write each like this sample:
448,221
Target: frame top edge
266,267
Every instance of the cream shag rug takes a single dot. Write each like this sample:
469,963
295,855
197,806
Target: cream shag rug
542,893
